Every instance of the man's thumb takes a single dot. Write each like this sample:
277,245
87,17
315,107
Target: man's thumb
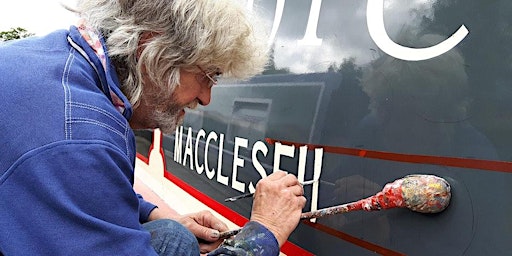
207,234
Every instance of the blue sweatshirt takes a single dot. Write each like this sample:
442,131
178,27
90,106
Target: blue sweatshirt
68,155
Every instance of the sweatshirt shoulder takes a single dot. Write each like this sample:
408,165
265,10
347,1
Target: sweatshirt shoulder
52,42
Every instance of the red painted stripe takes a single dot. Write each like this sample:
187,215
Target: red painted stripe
292,249
208,201
143,158
489,165
288,248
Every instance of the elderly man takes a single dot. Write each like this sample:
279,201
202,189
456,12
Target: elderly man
69,103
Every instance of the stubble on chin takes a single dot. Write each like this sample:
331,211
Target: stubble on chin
167,121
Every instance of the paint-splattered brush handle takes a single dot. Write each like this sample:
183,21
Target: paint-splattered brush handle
355,206
308,215
230,233
419,193
232,199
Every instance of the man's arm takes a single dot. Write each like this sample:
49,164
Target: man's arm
145,209
202,224
72,197
276,210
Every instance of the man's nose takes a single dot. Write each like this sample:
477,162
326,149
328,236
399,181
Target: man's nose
205,96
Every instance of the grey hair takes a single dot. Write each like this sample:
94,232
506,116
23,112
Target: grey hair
219,34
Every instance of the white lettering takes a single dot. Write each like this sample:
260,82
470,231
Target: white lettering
188,149
277,20
178,144
319,152
258,147
211,136
282,150
301,173
220,178
199,168
377,29
319,155
238,162
310,37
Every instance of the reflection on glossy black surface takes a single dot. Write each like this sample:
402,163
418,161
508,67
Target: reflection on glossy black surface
336,87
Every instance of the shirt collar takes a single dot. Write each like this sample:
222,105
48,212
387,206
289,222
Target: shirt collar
96,42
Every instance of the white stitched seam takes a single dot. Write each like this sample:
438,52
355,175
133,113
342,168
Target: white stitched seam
83,53
126,141
99,110
67,94
91,121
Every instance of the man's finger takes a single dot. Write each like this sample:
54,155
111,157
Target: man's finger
296,190
276,175
290,180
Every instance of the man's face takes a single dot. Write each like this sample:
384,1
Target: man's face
160,109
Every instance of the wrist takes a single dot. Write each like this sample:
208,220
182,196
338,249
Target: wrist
265,236
154,214
280,238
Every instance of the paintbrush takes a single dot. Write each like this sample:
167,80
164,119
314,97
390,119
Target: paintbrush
232,199
419,193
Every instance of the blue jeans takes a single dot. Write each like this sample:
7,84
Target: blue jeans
169,237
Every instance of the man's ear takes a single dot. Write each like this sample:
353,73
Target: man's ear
145,38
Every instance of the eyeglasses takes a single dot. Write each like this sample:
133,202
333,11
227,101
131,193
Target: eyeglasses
210,79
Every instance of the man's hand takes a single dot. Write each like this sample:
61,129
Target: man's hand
205,227
278,203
